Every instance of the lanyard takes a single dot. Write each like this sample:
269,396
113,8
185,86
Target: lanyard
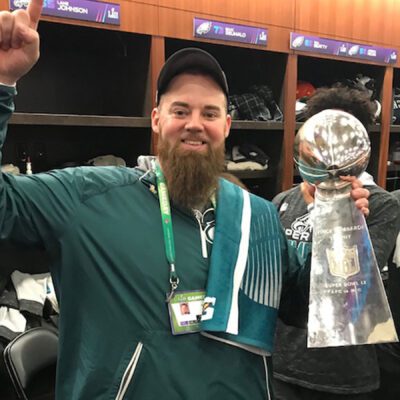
167,228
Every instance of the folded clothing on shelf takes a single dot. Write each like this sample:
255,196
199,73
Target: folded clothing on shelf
257,104
25,301
365,84
244,166
10,169
246,156
250,106
107,160
396,106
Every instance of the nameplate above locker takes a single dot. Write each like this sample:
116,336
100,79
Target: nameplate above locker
93,11
340,48
207,29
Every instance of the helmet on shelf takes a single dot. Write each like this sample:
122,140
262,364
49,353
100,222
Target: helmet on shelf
304,89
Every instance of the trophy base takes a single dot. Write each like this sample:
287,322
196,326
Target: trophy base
348,303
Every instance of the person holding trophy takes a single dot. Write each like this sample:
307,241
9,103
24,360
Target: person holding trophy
349,372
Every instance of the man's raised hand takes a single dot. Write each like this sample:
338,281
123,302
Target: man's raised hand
19,41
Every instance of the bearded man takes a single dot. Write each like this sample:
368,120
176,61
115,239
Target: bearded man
129,246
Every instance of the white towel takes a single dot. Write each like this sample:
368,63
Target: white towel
12,322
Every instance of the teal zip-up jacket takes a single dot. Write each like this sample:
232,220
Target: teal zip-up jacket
101,228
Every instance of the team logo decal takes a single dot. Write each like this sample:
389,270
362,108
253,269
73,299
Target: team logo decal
300,229
208,308
208,220
343,264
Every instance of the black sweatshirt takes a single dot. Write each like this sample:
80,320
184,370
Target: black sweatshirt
342,370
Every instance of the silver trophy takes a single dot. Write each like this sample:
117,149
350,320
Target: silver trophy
348,303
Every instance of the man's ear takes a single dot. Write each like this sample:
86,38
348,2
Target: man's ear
228,125
155,118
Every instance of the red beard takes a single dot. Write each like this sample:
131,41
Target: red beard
191,176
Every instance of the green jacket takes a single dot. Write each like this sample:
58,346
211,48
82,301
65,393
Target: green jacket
102,230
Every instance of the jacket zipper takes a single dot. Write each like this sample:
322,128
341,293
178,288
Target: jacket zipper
203,238
198,215
128,374
266,377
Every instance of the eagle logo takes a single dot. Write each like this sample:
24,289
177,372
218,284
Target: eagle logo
204,28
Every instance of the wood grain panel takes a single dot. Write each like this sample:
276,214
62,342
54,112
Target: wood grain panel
387,103
157,59
271,12
371,21
287,164
138,17
3,5
135,17
179,24
153,2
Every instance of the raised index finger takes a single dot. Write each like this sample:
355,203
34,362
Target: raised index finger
34,11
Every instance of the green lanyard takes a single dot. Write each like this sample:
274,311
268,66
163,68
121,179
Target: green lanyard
167,228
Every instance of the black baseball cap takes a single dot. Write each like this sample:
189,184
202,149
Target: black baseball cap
190,58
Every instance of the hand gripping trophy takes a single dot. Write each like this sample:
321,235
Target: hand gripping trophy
348,303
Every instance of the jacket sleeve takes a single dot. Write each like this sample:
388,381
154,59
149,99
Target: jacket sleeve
293,308
34,209
383,224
